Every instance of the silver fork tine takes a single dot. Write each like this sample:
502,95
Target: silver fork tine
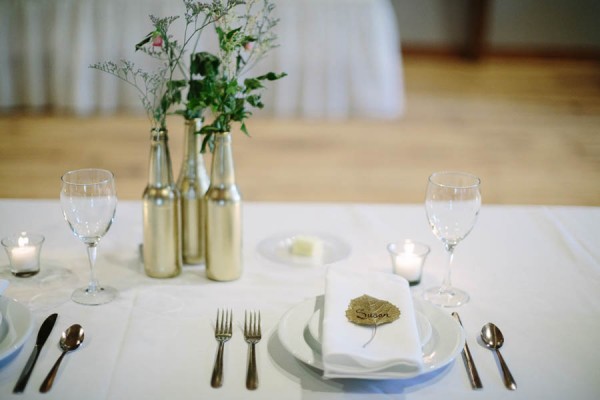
259,334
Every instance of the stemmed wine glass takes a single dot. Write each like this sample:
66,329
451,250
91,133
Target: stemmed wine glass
88,199
452,204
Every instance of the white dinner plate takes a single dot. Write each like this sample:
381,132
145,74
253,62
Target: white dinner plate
16,326
446,341
277,248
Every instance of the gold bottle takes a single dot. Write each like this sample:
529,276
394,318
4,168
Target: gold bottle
223,206
162,216
192,184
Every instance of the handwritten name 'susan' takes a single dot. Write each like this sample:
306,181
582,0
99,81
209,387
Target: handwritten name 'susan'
361,314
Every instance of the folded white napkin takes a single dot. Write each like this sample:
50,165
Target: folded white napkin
396,349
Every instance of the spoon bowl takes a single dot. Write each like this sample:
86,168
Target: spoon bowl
69,341
72,338
492,337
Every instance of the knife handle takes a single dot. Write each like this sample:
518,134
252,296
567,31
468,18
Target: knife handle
469,363
24,378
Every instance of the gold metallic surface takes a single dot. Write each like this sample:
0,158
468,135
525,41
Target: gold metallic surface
161,213
223,205
192,184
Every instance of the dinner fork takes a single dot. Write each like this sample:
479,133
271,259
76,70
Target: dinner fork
252,336
223,332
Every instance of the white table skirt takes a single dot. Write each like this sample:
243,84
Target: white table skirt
534,271
342,56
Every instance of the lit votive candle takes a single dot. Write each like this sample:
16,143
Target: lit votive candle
23,252
408,258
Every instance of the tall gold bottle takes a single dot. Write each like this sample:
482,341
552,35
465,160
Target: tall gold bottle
162,215
223,205
192,184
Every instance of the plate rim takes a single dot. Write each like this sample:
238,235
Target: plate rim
421,305
22,335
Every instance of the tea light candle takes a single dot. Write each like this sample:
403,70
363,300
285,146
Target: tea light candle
23,252
408,258
23,255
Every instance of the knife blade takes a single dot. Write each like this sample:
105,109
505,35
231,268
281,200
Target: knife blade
469,363
42,336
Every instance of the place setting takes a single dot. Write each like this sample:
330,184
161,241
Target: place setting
372,324
88,203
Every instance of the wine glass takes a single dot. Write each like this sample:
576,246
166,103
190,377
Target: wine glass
452,204
88,199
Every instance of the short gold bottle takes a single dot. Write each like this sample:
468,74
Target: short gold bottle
223,205
192,184
161,213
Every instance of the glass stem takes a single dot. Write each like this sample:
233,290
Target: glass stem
93,284
446,284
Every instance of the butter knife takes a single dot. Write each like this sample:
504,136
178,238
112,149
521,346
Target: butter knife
470,365
42,336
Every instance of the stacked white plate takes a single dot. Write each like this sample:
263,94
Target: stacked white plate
442,339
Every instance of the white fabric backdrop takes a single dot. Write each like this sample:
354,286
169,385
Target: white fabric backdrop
342,56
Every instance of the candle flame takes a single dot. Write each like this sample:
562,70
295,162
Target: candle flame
23,241
409,247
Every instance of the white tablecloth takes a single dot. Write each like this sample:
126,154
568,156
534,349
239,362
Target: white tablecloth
534,271
342,56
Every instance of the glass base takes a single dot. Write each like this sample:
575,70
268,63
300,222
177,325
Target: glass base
446,297
102,295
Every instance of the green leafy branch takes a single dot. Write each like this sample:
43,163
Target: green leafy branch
216,80
158,90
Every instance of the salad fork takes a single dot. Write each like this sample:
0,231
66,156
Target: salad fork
252,335
223,332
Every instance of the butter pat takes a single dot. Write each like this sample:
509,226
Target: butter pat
307,246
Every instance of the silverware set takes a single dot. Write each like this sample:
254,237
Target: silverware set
70,340
224,332
492,337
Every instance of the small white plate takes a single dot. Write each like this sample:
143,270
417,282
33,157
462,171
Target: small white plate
277,248
446,341
16,326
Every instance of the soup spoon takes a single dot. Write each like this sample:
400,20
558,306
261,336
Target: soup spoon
70,340
492,337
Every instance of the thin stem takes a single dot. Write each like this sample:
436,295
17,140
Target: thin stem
446,284
93,284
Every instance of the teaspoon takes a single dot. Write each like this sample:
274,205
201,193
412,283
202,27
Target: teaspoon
493,339
69,340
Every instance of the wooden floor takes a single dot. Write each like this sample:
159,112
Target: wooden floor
529,128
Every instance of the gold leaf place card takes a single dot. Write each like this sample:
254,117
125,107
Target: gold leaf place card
370,311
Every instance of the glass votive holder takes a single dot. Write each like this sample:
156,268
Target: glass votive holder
408,258
23,252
